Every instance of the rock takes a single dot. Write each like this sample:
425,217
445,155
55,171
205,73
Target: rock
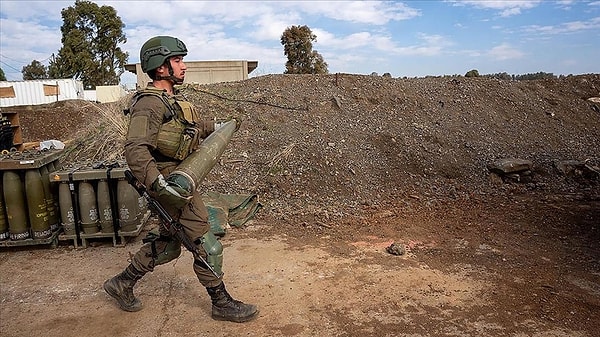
510,165
396,249
594,99
495,179
568,167
577,168
337,101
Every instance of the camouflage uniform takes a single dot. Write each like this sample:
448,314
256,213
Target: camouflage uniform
163,130
146,163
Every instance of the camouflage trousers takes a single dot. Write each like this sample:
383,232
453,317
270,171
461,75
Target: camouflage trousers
194,220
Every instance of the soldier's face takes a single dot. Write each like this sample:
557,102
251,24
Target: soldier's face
178,66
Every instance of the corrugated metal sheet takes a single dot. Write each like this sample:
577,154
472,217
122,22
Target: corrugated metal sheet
41,91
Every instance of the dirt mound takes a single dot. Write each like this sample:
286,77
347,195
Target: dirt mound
347,140
59,120
358,139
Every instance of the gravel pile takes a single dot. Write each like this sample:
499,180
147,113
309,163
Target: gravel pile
325,146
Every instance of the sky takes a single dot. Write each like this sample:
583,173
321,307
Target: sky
403,38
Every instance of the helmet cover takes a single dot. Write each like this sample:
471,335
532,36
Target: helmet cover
158,49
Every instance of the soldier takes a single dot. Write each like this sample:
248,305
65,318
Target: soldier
163,130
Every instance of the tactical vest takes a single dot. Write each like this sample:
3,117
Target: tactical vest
179,134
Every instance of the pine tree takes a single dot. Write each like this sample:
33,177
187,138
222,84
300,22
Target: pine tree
297,46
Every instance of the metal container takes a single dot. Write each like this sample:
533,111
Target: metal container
34,92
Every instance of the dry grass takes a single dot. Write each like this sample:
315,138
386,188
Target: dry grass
102,139
274,163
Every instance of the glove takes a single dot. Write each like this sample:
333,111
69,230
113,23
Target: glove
170,193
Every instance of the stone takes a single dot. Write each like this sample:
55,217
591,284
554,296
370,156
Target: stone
510,165
396,249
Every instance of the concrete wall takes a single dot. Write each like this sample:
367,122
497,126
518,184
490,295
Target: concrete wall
90,95
105,93
109,93
204,72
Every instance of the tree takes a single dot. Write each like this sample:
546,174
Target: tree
297,46
34,71
535,76
472,73
2,75
90,52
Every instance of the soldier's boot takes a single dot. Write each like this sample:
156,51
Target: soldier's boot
120,287
225,308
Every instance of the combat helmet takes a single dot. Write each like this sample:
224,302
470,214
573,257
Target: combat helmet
158,49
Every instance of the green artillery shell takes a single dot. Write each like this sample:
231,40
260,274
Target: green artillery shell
3,221
36,204
88,208
67,215
197,165
49,197
104,209
16,206
127,198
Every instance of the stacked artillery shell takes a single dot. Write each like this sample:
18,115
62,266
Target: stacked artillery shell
54,192
36,204
4,234
128,202
67,213
88,208
101,198
28,208
104,208
16,206
50,199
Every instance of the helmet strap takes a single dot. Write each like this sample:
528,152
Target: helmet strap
171,77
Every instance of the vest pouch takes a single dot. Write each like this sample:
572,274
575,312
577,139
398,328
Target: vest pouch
189,143
177,140
189,112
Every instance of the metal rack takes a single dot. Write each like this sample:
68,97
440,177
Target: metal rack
120,228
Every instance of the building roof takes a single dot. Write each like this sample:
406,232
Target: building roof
251,65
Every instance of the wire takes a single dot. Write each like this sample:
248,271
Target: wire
10,58
251,101
21,62
8,65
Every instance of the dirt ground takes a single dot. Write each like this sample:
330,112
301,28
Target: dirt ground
345,166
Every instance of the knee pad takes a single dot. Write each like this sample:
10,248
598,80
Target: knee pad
164,249
214,251
172,251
